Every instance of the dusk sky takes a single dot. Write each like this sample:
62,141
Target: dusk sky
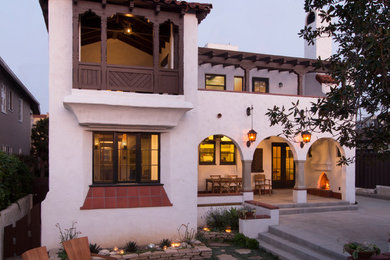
262,26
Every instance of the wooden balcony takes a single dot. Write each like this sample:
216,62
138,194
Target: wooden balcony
127,79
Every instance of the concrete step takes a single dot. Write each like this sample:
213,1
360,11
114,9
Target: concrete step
290,235
299,251
289,211
282,255
313,204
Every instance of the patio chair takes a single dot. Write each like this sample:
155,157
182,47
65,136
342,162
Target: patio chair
234,185
78,249
38,253
216,184
262,184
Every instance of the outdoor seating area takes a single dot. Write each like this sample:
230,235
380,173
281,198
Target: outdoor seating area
224,184
262,185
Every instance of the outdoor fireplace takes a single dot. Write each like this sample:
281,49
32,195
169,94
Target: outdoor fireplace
323,182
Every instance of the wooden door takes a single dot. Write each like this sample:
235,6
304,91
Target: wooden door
283,170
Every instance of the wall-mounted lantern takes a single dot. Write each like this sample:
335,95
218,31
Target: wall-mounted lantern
306,137
252,134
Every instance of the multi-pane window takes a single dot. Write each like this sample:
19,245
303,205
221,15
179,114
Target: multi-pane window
126,158
216,82
260,85
227,151
238,83
3,99
20,111
207,151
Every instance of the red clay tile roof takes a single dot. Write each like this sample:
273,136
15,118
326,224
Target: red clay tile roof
323,78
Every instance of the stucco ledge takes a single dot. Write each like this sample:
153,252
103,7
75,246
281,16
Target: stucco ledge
97,109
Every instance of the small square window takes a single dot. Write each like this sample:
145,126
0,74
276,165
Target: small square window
228,153
216,82
260,85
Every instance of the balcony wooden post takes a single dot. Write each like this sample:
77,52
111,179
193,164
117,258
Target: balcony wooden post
104,51
156,52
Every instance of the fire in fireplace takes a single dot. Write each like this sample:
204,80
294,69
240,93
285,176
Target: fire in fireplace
323,182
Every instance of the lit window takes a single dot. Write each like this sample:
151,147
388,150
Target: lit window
260,85
3,98
238,83
227,151
216,82
207,151
126,158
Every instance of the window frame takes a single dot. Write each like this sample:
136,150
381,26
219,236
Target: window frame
210,74
266,80
115,159
10,100
214,152
220,153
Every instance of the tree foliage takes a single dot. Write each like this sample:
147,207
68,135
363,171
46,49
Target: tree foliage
361,66
40,147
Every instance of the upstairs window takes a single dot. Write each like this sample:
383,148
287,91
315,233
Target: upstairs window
207,151
10,101
216,82
20,110
126,158
260,85
3,99
238,83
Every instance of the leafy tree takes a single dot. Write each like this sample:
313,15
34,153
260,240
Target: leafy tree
361,65
40,147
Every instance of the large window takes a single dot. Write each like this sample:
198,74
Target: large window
3,99
227,151
260,85
216,82
207,151
126,158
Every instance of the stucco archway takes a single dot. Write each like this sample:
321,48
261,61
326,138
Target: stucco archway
322,162
215,157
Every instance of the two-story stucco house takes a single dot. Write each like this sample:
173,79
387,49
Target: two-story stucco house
17,105
140,118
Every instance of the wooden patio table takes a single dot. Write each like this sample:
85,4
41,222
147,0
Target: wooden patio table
223,181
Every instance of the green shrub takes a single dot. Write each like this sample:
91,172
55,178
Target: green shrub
220,219
252,243
15,180
94,248
240,240
165,242
131,247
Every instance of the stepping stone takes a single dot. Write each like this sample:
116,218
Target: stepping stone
243,251
226,257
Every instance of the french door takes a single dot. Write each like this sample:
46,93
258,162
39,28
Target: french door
283,170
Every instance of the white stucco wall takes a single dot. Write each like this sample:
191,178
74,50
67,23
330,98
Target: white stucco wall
71,156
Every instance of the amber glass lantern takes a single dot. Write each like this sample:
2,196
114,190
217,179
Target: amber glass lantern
251,137
306,136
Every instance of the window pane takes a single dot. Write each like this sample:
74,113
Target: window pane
207,152
90,38
260,85
103,158
129,40
216,82
228,153
150,160
127,158
238,83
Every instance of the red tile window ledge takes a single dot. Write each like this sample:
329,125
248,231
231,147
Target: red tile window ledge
114,197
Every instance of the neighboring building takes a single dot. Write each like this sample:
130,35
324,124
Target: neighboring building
37,118
17,105
140,117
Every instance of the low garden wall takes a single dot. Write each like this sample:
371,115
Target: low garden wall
12,214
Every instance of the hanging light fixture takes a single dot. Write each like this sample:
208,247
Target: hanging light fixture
306,137
127,30
252,134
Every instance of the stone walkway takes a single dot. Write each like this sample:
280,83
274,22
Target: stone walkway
226,251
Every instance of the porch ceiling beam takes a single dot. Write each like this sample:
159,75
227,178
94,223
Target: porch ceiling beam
266,65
